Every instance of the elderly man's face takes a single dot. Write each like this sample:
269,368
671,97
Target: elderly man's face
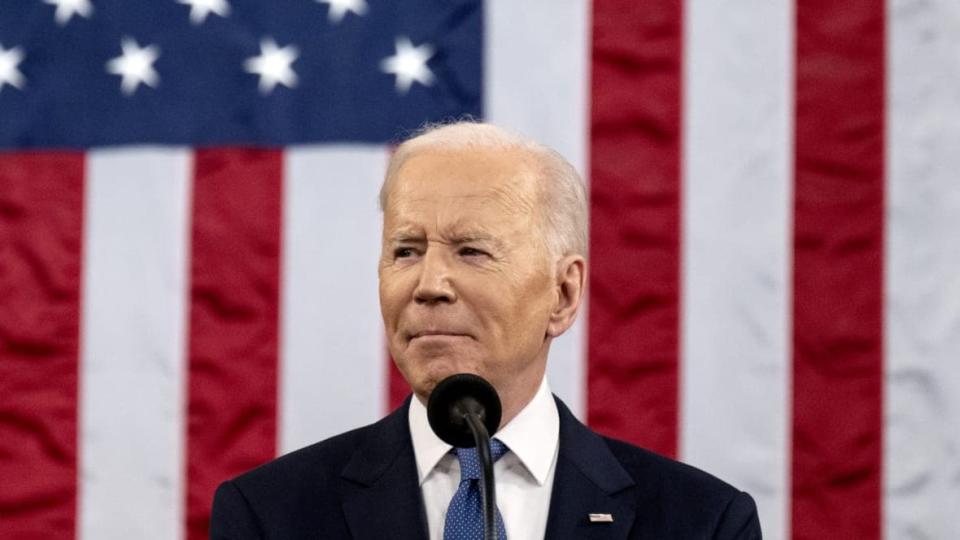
466,284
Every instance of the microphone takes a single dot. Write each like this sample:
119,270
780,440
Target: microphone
463,410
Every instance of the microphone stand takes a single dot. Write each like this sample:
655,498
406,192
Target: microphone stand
467,401
487,488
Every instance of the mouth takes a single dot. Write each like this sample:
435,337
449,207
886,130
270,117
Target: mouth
435,334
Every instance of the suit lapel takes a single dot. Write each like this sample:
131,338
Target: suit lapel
381,496
588,480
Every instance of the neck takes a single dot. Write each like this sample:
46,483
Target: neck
514,399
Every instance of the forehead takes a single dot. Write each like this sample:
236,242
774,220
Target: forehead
465,183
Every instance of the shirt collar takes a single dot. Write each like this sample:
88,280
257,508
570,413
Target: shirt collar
532,436
428,449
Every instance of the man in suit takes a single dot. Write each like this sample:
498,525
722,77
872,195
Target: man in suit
483,263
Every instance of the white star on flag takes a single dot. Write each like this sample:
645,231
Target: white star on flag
273,65
200,9
409,64
9,73
135,65
339,8
66,9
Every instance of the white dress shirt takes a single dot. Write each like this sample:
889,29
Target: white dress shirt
524,475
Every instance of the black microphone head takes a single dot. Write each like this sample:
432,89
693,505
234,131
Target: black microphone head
453,398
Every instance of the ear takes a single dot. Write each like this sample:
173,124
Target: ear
571,280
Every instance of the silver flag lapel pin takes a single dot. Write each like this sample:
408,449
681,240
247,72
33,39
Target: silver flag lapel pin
600,518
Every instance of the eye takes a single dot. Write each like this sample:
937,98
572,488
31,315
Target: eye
471,252
402,253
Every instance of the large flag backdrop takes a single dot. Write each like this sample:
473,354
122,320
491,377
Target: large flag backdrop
189,235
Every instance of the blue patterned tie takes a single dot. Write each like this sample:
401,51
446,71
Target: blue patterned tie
465,513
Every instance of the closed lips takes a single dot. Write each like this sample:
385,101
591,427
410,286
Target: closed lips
436,333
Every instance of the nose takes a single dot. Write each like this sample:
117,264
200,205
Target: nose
435,285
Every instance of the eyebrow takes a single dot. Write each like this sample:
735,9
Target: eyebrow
468,237
465,237
402,238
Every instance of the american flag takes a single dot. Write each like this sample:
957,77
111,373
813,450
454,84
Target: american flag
189,236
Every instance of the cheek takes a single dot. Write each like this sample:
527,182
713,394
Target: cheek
392,296
522,311
539,302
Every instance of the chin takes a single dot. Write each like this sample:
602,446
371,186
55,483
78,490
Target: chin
428,374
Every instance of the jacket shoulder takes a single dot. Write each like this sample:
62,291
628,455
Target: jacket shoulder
291,495
322,459
645,465
688,494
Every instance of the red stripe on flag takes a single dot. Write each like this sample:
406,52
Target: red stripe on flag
838,270
234,309
633,366
41,238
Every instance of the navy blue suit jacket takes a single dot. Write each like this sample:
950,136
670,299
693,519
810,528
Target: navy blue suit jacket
363,485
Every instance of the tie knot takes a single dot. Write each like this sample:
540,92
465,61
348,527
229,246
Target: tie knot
469,458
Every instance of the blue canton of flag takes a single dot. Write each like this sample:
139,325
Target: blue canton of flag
87,73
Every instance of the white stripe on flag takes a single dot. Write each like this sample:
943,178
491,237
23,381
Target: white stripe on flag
736,248
922,414
537,79
132,362
332,349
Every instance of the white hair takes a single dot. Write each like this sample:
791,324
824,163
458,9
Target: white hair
562,197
